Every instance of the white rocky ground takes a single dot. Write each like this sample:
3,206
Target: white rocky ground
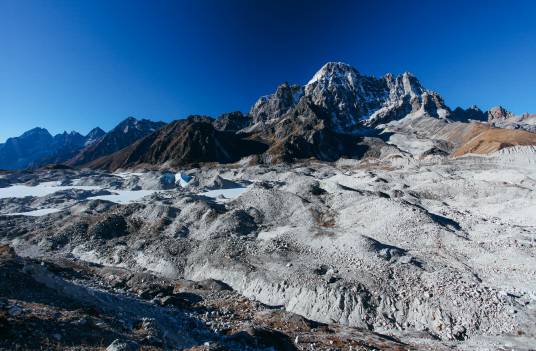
436,252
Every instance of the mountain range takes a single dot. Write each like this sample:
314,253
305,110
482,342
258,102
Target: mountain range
38,146
124,134
338,113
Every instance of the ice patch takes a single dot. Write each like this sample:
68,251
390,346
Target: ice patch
124,196
126,175
411,143
227,194
47,188
511,176
182,179
36,213
43,189
442,113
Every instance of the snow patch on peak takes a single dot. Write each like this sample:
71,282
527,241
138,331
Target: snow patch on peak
411,85
335,70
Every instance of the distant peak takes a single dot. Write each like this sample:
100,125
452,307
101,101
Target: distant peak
35,131
499,112
334,70
388,76
408,74
95,133
130,119
498,108
409,78
96,130
410,84
474,108
337,66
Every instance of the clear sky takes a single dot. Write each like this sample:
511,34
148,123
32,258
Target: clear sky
68,65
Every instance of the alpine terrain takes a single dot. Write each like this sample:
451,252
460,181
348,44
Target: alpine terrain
349,213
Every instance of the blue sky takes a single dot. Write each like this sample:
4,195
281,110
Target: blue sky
74,65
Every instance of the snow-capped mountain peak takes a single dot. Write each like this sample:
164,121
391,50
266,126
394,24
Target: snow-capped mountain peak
353,99
93,136
335,71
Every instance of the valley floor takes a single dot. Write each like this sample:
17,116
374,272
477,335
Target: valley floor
392,253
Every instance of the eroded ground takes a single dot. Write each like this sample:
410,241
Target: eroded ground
380,254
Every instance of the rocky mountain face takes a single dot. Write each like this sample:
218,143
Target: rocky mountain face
472,113
232,122
37,146
124,134
306,131
353,100
334,113
184,142
73,139
499,117
65,146
22,151
271,107
93,136
498,113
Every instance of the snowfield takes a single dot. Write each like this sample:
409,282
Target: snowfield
36,213
42,189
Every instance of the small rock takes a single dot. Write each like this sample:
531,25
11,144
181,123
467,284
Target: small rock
333,279
81,321
175,301
405,259
14,311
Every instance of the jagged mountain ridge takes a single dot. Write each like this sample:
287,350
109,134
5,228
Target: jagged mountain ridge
124,134
37,146
94,135
183,142
353,100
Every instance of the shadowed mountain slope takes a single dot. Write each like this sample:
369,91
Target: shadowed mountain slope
189,141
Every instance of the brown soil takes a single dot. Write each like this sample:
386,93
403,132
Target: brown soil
487,140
